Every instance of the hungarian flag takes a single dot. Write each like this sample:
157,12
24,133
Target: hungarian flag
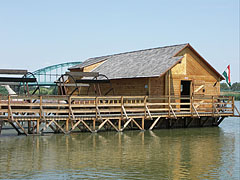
226,74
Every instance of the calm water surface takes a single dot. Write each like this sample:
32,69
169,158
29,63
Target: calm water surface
196,153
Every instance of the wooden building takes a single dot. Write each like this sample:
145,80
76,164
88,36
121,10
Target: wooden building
166,87
177,70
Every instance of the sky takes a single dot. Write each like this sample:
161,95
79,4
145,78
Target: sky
39,33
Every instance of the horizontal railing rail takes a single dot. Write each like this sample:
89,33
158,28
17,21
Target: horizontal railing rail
111,105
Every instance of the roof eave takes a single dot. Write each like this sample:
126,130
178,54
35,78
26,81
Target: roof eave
214,70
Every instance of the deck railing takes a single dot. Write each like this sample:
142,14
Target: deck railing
103,109
124,105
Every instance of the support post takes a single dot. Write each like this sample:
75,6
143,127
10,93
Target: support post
154,123
121,118
67,125
213,106
219,121
94,124
204,122
169,94
38,120
9,99
96,105
29,128
191,105
1,125
143,123
145,107
233,102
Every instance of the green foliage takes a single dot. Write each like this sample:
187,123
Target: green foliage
48,90
3,91
224,87
43,90
235,87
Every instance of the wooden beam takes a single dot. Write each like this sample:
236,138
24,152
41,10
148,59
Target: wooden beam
125,125
188,124
198,89
195,110
15,127
46,126
109,121
14,120
219,121
173,111
237,110
13,71
124,111
99,114
72,84
154,123
85,124
143,119
83,74
92,81
1,125
19,125
14,79
75,125
54,130
204,122
137,124
102,124
148,112
59,126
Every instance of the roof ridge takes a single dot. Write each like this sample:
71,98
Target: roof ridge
138,50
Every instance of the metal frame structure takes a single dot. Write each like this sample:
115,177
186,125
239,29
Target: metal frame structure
48,75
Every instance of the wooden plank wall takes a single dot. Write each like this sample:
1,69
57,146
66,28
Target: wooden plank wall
157,86
196,71
127,87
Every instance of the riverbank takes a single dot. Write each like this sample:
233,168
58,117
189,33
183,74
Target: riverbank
236,94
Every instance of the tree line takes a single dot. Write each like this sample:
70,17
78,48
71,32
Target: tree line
235,87
43,90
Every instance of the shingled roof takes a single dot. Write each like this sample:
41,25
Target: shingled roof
143,63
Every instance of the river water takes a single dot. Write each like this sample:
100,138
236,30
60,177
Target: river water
195,153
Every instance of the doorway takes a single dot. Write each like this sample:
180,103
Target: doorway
185,93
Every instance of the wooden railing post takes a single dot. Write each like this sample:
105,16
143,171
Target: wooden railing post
40,114
212,105
145,108
145,105
169,103
94,120
191,105
69,115
233,105
121,118
9,101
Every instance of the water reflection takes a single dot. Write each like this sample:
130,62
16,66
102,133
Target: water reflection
201,153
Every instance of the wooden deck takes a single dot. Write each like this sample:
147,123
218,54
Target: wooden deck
66,114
